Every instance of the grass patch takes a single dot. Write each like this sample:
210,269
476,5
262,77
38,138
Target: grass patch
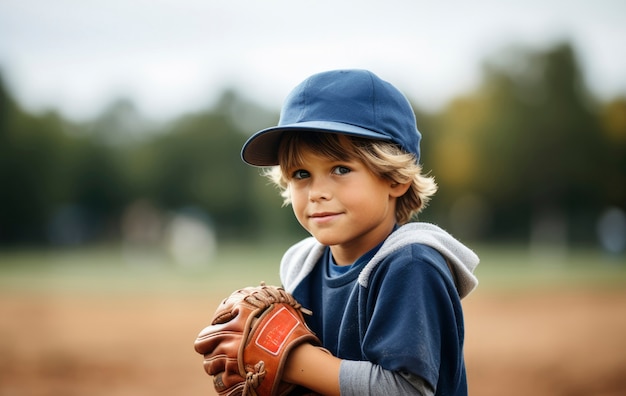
515,267
115,269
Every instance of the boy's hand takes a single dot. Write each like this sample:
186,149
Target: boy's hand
251,334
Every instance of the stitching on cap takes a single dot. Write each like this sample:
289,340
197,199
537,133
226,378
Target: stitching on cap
374,99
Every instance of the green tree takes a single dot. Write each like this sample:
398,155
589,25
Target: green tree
529,143
196,163
613,119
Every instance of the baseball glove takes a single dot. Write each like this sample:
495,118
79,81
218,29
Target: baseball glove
250,337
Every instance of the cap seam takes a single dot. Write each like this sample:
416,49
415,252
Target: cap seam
374,99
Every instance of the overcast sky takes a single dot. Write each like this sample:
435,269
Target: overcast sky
175,56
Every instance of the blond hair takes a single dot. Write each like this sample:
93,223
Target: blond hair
384,159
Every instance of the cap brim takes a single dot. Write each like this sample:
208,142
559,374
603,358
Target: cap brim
261,149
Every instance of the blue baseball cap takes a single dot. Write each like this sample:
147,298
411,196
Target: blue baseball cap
349,102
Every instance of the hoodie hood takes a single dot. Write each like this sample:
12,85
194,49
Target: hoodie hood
300,259
461,260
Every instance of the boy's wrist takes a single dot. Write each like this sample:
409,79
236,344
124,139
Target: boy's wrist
314,368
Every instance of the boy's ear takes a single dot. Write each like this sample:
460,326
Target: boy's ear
399,189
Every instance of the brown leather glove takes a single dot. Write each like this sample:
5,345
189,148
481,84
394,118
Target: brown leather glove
251,334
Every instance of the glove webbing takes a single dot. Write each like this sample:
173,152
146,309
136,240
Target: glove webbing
267,296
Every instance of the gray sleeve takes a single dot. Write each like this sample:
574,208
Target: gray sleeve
366,378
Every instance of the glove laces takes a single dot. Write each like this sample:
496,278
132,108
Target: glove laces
254,378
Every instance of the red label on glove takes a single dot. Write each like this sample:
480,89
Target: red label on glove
277,330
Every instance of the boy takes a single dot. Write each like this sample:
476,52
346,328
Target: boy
385,293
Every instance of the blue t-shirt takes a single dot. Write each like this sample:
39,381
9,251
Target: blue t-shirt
409,317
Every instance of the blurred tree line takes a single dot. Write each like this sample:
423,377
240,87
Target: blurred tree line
529,155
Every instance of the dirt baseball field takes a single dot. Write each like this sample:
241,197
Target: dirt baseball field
565,342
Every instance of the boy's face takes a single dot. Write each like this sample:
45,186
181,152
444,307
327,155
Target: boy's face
343,204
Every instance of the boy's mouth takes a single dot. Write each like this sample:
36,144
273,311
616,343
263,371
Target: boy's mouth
323,216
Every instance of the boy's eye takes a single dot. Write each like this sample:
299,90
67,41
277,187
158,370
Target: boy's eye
341,170
300,174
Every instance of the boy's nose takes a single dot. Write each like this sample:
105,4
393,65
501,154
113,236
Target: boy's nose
319,191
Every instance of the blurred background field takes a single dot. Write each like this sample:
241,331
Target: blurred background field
88,321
